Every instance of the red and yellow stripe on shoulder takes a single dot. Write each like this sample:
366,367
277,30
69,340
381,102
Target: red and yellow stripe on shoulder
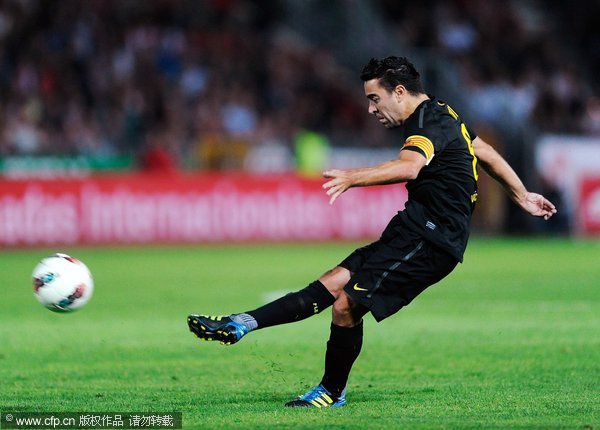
421,142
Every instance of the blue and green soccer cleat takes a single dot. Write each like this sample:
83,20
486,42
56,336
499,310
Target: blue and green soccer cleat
219,328
318,397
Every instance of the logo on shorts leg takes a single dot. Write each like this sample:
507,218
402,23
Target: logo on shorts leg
430,225
357,288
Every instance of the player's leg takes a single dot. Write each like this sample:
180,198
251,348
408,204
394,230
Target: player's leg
386,281
305,303
346,333
292,307
344,344
343,348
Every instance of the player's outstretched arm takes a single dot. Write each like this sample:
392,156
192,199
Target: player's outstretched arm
499,169
406,167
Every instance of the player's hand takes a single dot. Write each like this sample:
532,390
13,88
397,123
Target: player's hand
537,205
340,182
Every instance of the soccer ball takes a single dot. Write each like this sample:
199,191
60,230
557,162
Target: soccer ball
62,283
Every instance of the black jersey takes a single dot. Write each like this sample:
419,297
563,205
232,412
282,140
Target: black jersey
442,197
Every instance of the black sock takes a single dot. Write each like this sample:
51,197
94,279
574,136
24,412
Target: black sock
343,349
294,306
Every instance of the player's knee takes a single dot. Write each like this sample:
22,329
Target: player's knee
342,310
335,280
347,312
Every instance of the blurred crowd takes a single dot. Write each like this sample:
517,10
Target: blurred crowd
522,63
199,83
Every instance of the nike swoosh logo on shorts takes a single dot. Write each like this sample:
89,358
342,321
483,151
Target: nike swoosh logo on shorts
357,288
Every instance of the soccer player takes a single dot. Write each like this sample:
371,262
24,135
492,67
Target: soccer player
421,244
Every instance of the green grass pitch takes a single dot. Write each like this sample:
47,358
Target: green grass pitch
511,339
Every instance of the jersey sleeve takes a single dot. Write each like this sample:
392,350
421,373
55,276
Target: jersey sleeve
433,127
420,143
424,136
423,132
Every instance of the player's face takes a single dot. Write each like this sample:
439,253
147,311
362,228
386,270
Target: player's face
385,105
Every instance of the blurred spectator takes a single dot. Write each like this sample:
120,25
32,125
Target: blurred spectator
22,134
312,150
591,120
156,156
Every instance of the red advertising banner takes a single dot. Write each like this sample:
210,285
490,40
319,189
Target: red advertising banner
138,208
589,206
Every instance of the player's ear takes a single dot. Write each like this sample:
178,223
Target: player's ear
399,91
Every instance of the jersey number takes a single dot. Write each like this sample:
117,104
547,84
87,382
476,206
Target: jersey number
465,133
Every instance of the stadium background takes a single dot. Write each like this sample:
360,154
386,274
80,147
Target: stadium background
94,93
145,136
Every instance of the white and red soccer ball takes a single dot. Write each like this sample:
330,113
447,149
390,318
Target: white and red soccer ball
62,283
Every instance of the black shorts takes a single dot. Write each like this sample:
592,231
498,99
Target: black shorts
389,273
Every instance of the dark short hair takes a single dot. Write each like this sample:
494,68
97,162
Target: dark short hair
393,71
